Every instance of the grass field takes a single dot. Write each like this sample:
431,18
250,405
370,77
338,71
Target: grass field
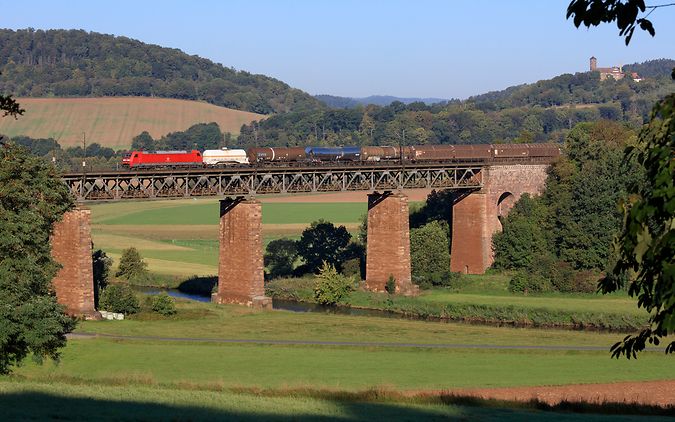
180,238
209,380
64,401
114,121
204,320
349,368
207,212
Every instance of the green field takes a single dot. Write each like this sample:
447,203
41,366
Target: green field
179,239
335,366
160,379
207,212
276,366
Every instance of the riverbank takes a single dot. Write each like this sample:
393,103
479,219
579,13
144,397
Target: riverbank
491,305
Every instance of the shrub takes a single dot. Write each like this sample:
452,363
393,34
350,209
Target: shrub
119,298
563,277
523,282
352,268
390,287
163,304
132,266
330,287
586,282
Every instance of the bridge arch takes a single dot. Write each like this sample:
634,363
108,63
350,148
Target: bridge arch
477,217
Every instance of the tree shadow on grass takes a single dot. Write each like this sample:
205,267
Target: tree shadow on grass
44,406
199,285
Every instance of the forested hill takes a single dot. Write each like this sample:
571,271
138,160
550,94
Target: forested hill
537,112
76,63
568,89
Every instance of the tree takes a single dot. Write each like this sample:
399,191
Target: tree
132,266
9,106
101,269
32,199
280,257
119,298
524,236
322,241
143,142
647,242
430,254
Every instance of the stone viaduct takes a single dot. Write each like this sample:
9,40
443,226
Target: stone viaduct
476,217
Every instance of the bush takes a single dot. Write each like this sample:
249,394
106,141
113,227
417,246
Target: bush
523,282
132,266
163,304
586,282
119,298
390,287
330,287
352,268
563,277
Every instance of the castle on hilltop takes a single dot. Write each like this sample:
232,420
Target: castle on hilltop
615,72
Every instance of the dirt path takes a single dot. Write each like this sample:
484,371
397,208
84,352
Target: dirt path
655,393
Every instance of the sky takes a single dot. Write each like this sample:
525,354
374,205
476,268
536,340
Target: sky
423,48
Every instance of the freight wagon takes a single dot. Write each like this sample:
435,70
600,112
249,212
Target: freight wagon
484,153
224,156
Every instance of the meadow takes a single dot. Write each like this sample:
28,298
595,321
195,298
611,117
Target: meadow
180,238
229,362
199,377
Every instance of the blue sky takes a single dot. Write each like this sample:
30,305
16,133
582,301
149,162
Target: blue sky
411,48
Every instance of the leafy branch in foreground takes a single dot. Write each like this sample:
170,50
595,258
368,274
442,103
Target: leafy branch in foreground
625,13
647,243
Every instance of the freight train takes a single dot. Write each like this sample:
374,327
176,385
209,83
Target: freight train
489,153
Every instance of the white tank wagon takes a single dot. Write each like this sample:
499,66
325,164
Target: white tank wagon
215,157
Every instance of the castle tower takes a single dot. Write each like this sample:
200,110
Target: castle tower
594,63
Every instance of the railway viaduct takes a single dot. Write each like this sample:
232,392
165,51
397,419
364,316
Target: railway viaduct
484,194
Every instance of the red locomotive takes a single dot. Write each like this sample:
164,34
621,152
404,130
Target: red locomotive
141,159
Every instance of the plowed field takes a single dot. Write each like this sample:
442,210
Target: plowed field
114,121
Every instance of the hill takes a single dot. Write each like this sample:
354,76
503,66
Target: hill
536,112
76,63
113,122
380,100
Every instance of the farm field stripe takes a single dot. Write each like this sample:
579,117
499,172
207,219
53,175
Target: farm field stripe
345,343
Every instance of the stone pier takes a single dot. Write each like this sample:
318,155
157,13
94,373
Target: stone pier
71,247
240,263
476,217
388,246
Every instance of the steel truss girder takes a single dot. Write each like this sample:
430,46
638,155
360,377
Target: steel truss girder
251,182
